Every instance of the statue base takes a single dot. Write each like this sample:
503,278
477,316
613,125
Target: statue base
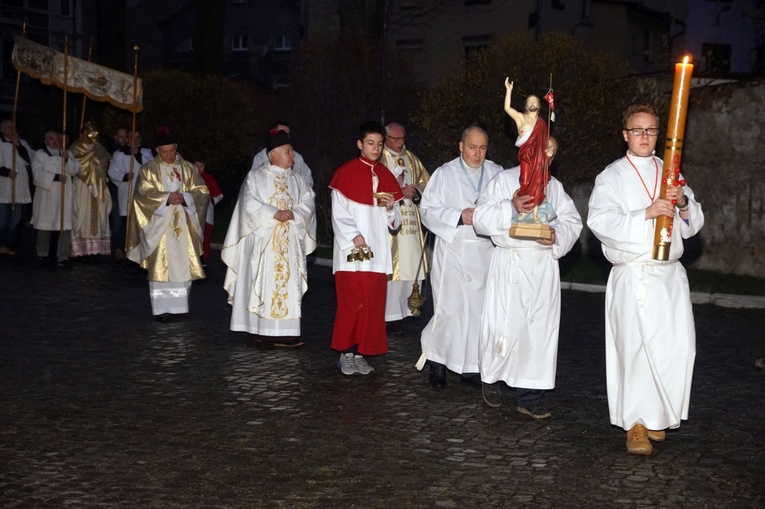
530,231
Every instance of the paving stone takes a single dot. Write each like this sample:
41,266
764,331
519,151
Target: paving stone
104,407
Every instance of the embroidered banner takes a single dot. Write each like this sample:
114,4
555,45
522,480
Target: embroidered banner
95,81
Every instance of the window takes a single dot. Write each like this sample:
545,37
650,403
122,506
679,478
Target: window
473,45
282,42
239,43
716,57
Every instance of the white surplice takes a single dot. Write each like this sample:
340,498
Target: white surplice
15,190
119,167
266,259
349,219
650,332
460,265
521,317
46,205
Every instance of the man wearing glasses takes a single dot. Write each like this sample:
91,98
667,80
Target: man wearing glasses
406,245
650,334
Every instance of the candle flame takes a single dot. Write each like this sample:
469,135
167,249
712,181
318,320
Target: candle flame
685,59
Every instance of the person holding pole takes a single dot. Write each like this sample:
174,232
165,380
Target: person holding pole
15,157
124,174
53,194
650,334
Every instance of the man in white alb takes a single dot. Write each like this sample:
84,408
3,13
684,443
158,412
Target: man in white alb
460,260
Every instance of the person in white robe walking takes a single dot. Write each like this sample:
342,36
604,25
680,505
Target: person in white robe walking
521,313
272,229
460,260
650,332
46,205
15,195
121,172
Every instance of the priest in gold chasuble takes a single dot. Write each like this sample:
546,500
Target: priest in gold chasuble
92,200
408,241
167,227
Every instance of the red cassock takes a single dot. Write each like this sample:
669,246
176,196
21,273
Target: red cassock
360,316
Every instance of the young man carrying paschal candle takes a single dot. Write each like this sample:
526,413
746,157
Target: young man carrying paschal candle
650,332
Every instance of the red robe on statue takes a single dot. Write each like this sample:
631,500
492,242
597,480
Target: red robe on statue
532,154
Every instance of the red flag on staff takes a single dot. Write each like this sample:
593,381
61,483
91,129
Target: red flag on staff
551,102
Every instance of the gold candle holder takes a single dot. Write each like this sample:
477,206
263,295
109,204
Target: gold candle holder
678,109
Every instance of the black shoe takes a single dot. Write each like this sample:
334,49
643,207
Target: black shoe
472,379
163,318
535,412
492,394
287,342
437,377
64,264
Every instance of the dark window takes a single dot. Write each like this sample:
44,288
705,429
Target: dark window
38,19
239,43
474,45
716,57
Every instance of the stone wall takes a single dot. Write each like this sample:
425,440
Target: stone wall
724,135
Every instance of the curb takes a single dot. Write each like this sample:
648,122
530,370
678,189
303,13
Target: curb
725,300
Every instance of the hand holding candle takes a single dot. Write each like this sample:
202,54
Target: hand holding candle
673,149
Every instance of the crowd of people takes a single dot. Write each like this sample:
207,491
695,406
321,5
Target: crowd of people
496,296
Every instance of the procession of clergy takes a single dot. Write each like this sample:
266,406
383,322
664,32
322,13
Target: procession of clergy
496,297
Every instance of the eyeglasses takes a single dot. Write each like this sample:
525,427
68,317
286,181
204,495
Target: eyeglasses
396,138
640,131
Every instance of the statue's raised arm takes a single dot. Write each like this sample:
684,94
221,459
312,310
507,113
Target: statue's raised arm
526,120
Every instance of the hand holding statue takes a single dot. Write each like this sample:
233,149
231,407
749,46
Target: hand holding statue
523,203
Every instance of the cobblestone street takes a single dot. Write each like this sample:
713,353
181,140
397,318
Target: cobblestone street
103,407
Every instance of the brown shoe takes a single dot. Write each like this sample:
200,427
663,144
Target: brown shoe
657,436
637,440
